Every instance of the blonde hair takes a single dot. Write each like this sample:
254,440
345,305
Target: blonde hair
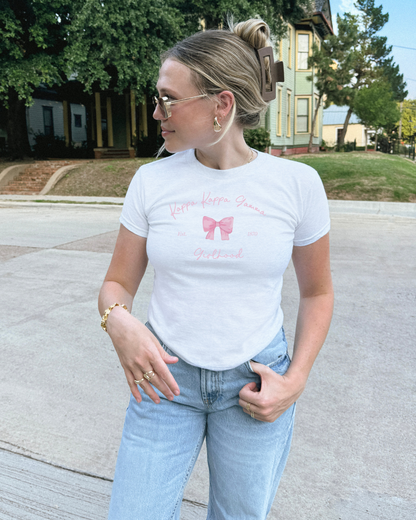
227,60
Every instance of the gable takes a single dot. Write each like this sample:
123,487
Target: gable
324,7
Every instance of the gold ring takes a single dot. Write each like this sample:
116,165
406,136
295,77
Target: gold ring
248,407
139,381
252,415
149,375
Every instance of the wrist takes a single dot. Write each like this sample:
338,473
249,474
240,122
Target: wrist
109,311
297,376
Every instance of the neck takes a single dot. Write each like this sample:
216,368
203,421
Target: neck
230,152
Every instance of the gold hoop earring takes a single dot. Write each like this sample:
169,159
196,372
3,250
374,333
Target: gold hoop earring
217,126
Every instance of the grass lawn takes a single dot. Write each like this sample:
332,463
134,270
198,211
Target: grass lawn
364,176
346,176
106,178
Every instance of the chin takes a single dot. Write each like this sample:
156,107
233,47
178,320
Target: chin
172,148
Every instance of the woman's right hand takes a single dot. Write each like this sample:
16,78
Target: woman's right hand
140,352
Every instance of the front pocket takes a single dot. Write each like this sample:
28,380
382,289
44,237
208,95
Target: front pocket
274,356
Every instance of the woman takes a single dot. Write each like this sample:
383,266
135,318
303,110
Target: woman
212,361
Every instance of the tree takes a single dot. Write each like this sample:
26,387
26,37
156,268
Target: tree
408,119
369,59
32,40
106,43
329,79
117,44
275,12
375,108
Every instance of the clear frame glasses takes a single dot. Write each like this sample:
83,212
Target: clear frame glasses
165,104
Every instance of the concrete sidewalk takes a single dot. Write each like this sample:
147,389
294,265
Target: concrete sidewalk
63,392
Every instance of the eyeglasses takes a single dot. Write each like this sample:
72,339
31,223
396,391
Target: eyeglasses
165,104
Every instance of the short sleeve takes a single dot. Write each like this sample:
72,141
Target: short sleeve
133,215
314,222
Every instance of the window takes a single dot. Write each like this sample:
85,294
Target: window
279,111
78,120
289,46
48,120
316,129
303,51
289,108
302,115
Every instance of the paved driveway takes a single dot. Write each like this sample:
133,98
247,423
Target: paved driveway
63,394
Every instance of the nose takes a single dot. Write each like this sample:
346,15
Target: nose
158,113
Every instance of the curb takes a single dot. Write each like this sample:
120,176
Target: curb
336,207
57,176
363,207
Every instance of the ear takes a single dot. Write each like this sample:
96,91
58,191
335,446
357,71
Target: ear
225,103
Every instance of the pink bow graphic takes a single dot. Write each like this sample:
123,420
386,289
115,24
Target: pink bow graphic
225,225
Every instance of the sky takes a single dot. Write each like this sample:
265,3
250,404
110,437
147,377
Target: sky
400,31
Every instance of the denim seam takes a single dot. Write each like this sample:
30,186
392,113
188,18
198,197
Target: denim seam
188,473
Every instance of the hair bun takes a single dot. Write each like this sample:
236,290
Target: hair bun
254,31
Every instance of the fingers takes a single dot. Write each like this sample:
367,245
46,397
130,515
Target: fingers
147,387
133,386
256,411
164,375
157,376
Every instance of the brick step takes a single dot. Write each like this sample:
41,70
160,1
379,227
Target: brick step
113,153
116,154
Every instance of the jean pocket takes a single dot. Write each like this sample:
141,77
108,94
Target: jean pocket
274,356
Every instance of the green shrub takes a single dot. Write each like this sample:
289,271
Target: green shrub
54,146
258,138
148,146
349,146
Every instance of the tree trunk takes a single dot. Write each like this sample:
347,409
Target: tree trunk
366,138
17,137
344,130
313,124
375,144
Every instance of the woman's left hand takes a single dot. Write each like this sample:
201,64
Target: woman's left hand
277,394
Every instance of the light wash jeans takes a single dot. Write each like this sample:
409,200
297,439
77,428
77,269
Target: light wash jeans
161,443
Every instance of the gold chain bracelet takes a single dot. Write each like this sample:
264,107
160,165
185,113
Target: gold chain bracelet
107,312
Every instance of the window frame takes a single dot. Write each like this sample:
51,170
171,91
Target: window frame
309,98
289,47
279,92
317,40
288,113
315,102
308,34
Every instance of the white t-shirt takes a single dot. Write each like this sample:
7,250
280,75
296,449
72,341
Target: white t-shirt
217,292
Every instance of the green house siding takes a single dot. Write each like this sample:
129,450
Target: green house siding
297,84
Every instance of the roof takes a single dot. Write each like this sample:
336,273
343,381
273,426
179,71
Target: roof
334,115
324,7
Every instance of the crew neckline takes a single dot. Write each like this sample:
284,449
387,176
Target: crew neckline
231,172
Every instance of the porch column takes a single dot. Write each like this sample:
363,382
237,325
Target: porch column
66,123
110,123
98,120
143,122
128,132
133,115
